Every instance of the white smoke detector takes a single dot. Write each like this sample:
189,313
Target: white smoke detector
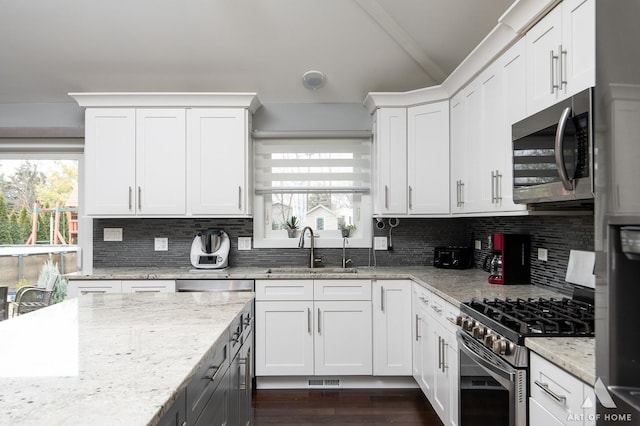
314,79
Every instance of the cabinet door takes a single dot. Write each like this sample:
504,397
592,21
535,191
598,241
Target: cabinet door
284,338
492,146
160,161
343,338
440,400
470,189
543,41
148,286
428,158
218,161
392,328
110,155
416,337
514,94
458,152
429,345
216,411
579,41
452,367
390,189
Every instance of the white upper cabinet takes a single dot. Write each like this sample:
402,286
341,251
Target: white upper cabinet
412,160
143,150
561,54
160,161
110,161
390,157
218,169
428,158
135,161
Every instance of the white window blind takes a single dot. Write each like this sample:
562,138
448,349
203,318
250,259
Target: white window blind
312,166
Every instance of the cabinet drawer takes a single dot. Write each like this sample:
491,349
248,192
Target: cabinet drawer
148,286
547,379
342,290
284,289
208,375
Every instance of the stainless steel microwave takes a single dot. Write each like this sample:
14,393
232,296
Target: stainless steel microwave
553,152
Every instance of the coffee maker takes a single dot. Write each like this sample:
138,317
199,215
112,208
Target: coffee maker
510,261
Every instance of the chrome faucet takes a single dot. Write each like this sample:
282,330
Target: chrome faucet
301,244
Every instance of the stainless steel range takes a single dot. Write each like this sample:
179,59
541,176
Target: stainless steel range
493,359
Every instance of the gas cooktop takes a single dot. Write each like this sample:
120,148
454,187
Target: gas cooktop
521,318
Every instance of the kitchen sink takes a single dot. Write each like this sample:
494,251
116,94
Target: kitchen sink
307,270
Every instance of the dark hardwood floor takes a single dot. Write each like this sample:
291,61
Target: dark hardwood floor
342,407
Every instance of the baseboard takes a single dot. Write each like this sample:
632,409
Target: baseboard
335,382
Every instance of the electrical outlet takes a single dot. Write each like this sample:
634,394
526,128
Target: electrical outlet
542,254
161,244
478,244
380,243
244,243
112,234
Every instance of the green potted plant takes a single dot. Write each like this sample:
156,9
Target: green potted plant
292,227
347,230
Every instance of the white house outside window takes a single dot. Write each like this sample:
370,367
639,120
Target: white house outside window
324,183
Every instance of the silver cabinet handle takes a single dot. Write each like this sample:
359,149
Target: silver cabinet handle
552,59
562,80
215,369
417,327
436,309
309,320
444,356
386,197
381,298
552,394
239,198
461,193
130,194
498,186
493,187
318,320
410,198
458,193
139,198
439,353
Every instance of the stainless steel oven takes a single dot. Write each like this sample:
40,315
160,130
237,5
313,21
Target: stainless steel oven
553,152
494,362
492,391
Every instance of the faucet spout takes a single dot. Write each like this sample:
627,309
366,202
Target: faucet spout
301,244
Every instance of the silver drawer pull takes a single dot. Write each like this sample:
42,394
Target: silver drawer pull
552,394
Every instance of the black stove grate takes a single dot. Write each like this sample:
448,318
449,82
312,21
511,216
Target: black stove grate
539,317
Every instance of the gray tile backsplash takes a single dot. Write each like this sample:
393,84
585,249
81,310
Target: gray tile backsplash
413,242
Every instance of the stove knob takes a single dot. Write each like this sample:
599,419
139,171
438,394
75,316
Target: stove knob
459,320
510,348
499,346
468,324
488,339
479,331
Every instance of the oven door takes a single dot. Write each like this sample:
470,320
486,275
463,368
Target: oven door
492,391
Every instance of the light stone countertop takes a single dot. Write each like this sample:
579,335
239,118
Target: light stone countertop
107,359
455,286
575,355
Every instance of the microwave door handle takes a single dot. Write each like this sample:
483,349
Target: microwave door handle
560,164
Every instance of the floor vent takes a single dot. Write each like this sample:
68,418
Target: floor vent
324,383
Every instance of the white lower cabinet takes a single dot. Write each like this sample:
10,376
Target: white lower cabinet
299,334
77,288
391,328
435,352
557,397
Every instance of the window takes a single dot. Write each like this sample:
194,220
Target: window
323,183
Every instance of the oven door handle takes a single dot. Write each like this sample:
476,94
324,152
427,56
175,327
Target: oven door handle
506,377
560,164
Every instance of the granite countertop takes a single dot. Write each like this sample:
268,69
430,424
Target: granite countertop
107,359
455,286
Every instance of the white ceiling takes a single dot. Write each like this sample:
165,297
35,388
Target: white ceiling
49,48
